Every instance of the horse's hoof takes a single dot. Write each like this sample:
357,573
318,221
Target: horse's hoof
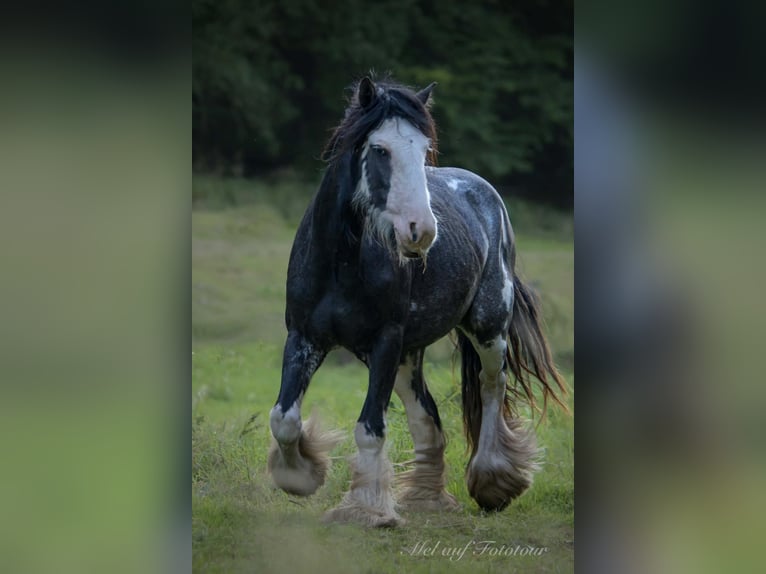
421,500
493,487
365,516
496,478
299,482
307,467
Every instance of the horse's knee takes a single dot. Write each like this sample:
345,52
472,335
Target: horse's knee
286,427
492,354
367,441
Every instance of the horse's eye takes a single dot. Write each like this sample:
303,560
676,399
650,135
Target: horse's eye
381,151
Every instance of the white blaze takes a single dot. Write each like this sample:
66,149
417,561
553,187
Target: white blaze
408,205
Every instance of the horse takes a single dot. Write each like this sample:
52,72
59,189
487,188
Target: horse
392,254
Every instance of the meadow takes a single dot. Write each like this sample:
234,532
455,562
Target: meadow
242,232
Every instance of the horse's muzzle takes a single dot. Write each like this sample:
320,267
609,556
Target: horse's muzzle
417,239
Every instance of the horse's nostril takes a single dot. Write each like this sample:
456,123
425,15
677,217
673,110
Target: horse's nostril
414,231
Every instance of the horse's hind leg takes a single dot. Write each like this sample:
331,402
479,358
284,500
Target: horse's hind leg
423,486
298,459
504,454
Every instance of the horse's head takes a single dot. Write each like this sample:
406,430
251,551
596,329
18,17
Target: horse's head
392,188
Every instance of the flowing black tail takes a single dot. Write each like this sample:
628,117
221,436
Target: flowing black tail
528,351
471,391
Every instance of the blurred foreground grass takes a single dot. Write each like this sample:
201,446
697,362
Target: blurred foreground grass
242,232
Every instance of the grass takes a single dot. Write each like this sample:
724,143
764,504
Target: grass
240,522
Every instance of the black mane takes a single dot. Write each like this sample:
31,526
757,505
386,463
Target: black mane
393,100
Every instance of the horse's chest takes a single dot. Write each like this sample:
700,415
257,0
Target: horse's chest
354,322
363,301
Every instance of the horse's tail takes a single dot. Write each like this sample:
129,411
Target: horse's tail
528,352
471,391
527,356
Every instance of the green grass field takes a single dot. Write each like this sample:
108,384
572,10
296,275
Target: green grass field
241,238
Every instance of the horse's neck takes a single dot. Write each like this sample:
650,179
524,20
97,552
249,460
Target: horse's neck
333,223
324,218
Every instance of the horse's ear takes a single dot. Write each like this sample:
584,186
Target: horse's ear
366,92
424,95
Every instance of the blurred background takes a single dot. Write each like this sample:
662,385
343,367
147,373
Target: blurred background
270,78
669,171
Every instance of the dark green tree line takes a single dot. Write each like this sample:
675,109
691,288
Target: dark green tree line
268,79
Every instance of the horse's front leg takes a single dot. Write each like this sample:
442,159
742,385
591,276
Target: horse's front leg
298,459
370,499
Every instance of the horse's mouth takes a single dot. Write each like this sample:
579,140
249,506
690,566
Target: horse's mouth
410,254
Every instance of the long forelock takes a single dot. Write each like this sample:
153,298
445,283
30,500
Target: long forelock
393,100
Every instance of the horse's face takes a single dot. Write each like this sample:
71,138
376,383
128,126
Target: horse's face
393,184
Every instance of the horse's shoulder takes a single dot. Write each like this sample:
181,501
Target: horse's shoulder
457,181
